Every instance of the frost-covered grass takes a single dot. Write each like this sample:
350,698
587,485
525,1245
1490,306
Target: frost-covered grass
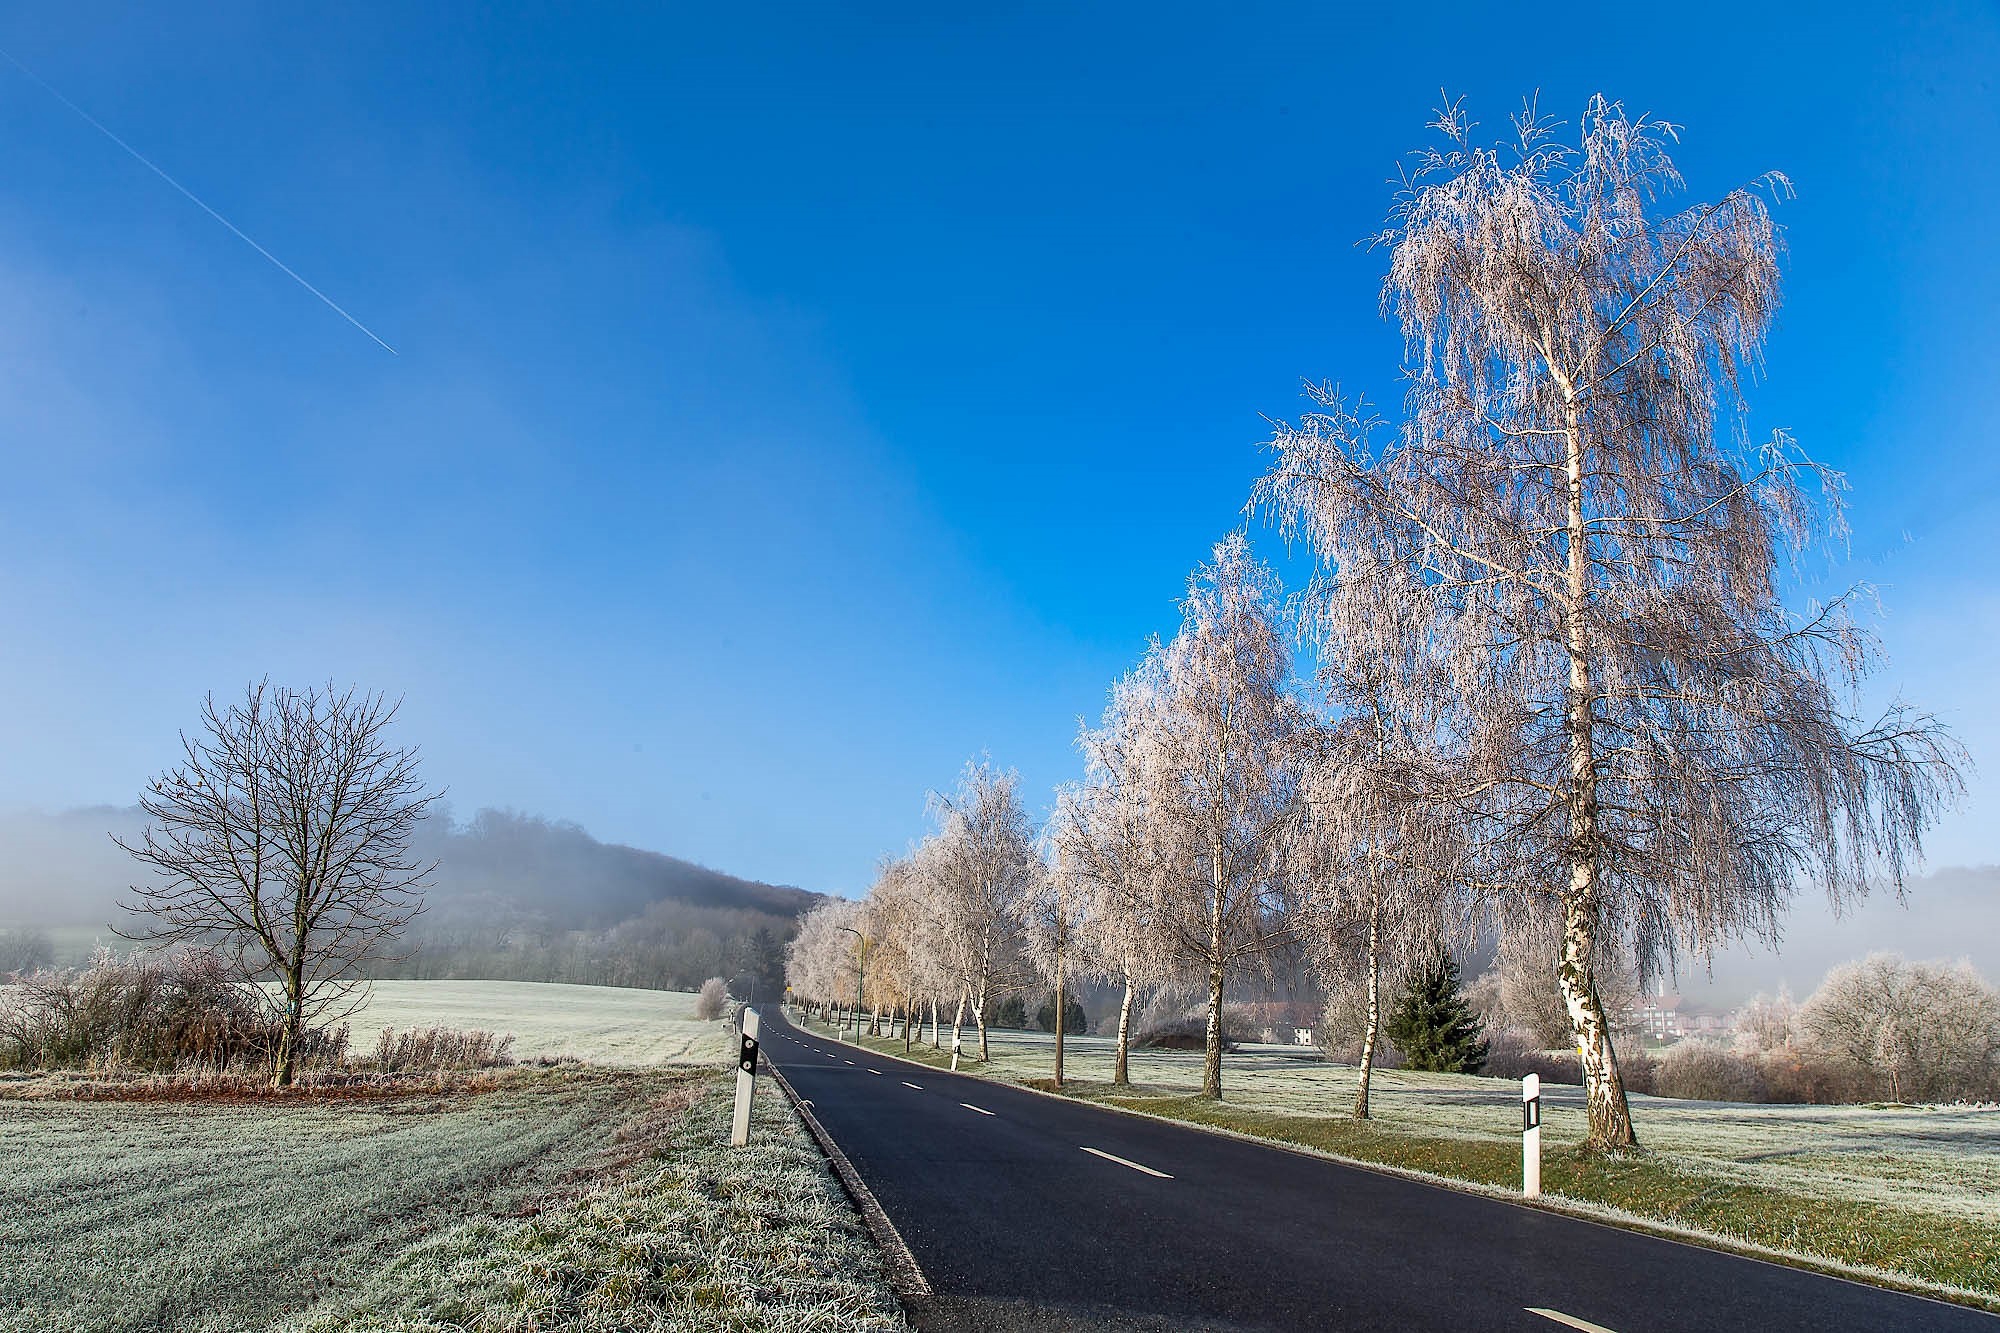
1910,1191
702,1237
567,1198
185,1215
604,1025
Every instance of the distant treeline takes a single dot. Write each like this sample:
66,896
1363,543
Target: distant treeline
518,898
514,897
669,946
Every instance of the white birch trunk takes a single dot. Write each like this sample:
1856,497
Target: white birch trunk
1211,1069
979,1017
1374,1006
1059,1017
1610,1116
1121,1068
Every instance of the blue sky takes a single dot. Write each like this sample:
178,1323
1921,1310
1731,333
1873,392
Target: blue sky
794,402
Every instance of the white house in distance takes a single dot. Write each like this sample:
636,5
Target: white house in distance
1658,1017
1662,1017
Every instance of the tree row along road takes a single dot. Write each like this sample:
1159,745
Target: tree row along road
1027,1212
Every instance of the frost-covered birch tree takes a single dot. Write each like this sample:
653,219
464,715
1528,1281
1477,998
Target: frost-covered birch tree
892,922
822,961
1218,786
927,953
1374,866
1376,860
1657,745
1053,916
981,863
1103,838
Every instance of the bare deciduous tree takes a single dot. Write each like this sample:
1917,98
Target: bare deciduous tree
282,840
1767,1023
1372,867
927,920
894,919
1656,746
1530,997
23,949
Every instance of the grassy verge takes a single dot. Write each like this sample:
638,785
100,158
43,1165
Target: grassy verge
698,1236
1883,1219
568,1198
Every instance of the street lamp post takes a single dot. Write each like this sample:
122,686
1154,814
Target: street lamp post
859,977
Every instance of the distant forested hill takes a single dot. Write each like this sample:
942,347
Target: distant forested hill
528,866
515,897
527,899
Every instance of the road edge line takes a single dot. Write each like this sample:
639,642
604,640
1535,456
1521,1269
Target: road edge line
906,1276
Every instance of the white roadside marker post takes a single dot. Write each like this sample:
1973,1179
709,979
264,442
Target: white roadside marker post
746,1080
1531,1136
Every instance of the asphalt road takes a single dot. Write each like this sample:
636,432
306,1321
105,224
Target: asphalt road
1023,1217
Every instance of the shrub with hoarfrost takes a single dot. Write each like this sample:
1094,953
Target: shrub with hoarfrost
148,1013
1909,1031
1710,1072
712,999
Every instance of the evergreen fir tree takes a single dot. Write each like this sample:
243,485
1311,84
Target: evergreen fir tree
1075,1024
1433,1024
764,958
1009,1013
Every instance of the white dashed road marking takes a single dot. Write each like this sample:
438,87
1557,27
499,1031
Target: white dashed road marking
908,1084
970,1107
1584,1325
1114,1157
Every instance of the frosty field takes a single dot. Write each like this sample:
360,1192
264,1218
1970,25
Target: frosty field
604,1025
117,1215
697,1237
577,1197
1911,1192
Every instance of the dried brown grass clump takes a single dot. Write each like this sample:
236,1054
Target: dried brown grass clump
441,1048
244,1089
150,1013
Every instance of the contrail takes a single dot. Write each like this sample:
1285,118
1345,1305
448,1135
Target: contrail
196,200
